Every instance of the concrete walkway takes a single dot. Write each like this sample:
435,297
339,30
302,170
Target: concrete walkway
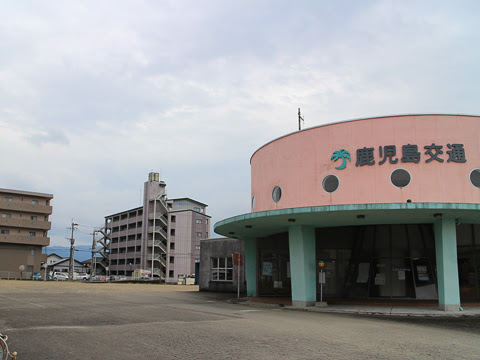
391,309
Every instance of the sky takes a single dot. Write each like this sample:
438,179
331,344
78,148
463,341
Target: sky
94,95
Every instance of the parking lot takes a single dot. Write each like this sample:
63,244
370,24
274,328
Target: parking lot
75,320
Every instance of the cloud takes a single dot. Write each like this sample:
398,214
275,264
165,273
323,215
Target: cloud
49,136
94,95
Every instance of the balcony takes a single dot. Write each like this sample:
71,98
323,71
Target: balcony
25,240
25,207
25,223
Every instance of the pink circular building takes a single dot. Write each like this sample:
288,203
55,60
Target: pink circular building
389,205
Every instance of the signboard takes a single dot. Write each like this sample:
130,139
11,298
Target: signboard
267,268
321,264
422,273
237,259
321,277
410,153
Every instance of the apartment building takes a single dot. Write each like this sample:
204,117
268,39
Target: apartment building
162,236
24,225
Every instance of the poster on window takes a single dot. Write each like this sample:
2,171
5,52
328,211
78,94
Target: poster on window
380,279
363,270
267,269
422,273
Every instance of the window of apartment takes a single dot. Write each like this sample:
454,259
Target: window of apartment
31,233
172,232
171,274
31,251
197,260
4,232
172,246
206,221
198,221
196,209
9,199
206,234
30,268
173,218
34,218
172,260
199,234
222,269
35,202
197,247
6,216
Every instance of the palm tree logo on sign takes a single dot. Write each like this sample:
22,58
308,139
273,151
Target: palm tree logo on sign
341,154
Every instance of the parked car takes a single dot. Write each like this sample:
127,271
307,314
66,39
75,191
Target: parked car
60,276
117,277
82,276
99,278
36,276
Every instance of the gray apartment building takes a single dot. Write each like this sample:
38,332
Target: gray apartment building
162,236
24,225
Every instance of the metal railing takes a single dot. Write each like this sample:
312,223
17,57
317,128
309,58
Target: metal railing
157,258
159,244
17,275
159,230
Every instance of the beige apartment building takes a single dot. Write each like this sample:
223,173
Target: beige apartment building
24,225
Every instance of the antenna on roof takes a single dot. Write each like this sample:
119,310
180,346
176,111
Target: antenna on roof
300,119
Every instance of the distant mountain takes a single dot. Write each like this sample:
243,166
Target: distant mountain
82,252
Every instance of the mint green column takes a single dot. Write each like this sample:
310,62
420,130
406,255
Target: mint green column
302,265
251,266
447,268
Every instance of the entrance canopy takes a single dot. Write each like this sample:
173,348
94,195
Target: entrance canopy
265,223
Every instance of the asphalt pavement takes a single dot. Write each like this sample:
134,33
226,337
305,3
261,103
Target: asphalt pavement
51,320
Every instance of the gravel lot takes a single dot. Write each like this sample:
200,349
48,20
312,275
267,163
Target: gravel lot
64,320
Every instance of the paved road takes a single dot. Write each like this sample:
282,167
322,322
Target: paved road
118,321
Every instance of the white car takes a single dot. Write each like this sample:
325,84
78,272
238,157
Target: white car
60,276
82,276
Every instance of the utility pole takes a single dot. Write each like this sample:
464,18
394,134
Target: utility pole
300,119
93,264
72,252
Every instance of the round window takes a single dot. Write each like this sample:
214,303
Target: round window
276,193
475,177
253,203
330,183
400,178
